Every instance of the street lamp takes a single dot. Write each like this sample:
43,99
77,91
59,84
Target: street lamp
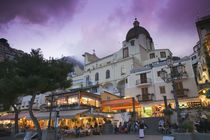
171,77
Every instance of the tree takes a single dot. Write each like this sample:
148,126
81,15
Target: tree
10,88
39,75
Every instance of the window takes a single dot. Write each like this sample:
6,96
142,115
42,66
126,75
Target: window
107,74
123,70
108,98
132,42
126,80
162,89
163,54
179,85
176,73
143,77
96,76
152,55
158,73
125,52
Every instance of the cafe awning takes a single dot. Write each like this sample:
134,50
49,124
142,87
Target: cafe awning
120,104
63,114
11,116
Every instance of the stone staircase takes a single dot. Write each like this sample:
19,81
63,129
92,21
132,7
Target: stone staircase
152,123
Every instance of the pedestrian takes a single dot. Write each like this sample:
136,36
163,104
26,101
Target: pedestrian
204,124
142,126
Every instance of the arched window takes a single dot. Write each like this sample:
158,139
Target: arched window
96,76
107,74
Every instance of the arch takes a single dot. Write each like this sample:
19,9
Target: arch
109,87
121,87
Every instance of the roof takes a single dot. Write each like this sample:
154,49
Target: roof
135,31
158,64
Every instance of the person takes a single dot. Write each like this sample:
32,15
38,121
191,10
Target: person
161,126
204,124
142,126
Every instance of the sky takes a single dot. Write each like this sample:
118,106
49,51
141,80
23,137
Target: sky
72,27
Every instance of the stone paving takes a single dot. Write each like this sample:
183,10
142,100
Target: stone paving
103,137
118,137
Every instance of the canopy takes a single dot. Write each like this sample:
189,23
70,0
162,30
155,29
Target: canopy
11,116
63,114
120,104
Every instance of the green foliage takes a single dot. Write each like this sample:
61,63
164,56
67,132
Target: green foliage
40,75
188,126
10,84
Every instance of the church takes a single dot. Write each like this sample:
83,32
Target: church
134,71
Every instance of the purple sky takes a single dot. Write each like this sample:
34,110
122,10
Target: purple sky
72,27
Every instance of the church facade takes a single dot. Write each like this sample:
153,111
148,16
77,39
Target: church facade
133,71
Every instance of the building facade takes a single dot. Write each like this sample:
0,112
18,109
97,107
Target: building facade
111,72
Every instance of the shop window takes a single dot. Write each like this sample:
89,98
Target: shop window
162,89
132,42
73,99
152,55
107,74
61,101
125,52
163,54
97,103
84,100
96,76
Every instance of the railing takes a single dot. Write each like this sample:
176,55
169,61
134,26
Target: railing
142,82
146,97
181,92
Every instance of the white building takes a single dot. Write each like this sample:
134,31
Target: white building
111,72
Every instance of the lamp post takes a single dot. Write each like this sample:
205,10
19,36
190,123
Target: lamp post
171,77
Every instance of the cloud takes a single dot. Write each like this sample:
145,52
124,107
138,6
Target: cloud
38,11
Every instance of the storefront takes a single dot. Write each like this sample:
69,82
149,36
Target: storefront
68,120
204,95
119,105
79,99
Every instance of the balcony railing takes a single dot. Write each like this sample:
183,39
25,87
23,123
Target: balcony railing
143,81
146,97
181,92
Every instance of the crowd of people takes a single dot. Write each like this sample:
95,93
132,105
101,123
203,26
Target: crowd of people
131,127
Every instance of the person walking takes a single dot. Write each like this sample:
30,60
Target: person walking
142,126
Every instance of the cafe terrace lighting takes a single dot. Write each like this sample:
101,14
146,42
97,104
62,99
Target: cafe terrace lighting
171,77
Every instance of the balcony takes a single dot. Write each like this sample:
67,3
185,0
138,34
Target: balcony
145,97
181,92
143,82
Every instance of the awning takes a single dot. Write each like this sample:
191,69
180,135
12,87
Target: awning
63,114
120,103
151,103
11,116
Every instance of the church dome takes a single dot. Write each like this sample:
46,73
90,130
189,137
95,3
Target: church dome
136,30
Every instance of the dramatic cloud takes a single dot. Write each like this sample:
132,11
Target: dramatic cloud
37,11
72,27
